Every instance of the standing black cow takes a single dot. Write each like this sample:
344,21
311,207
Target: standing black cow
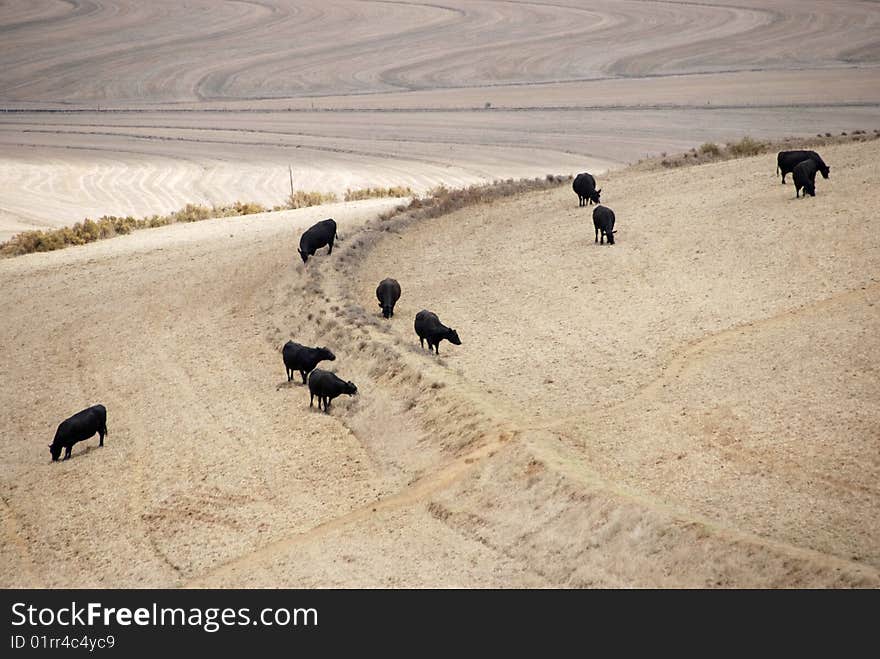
303,359
584,186
80,426
430,329
804,176
388,292
787,160
327,386
315,237
603,221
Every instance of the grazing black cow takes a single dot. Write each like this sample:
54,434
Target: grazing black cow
430,329
786,161
300,358
80,426
804,176
327,386
603,221
388,292
585,187
315,237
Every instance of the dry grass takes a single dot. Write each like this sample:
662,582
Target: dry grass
747,146
109,226
377,193
304,199
442,200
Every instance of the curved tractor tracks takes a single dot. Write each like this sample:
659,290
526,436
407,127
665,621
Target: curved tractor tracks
501,426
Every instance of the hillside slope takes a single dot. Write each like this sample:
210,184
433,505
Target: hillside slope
695,406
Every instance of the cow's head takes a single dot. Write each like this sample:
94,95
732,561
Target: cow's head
595,196
610,236
452,337
826,171
350,388
55,452
303,255
324,353
387,309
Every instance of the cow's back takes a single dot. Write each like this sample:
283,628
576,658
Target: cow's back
388,287
427,323
806,170
603,218
584,184
82,425
320,380
318,234
291,353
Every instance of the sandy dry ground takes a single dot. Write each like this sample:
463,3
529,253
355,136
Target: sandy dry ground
695,406
211,102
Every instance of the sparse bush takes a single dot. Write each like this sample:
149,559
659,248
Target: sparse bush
746,147
377,193
710,149
303,199
191,213
108,226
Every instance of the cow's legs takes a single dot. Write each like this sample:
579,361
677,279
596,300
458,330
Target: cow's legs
330,251
303,374
312,400
67,452
422,343
597,235
101,434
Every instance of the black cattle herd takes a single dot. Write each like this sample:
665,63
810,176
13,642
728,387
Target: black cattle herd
326,386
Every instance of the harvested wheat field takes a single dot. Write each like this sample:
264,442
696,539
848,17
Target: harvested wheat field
142,107
696,405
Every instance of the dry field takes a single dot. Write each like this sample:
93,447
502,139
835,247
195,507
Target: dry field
694,406
135,107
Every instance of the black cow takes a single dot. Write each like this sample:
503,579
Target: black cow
300,358
585,187
388,292
430,329
327,386
804,176
80,426
787,160
603,221
315,237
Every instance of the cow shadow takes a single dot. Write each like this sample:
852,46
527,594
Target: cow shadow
77,453
292,384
